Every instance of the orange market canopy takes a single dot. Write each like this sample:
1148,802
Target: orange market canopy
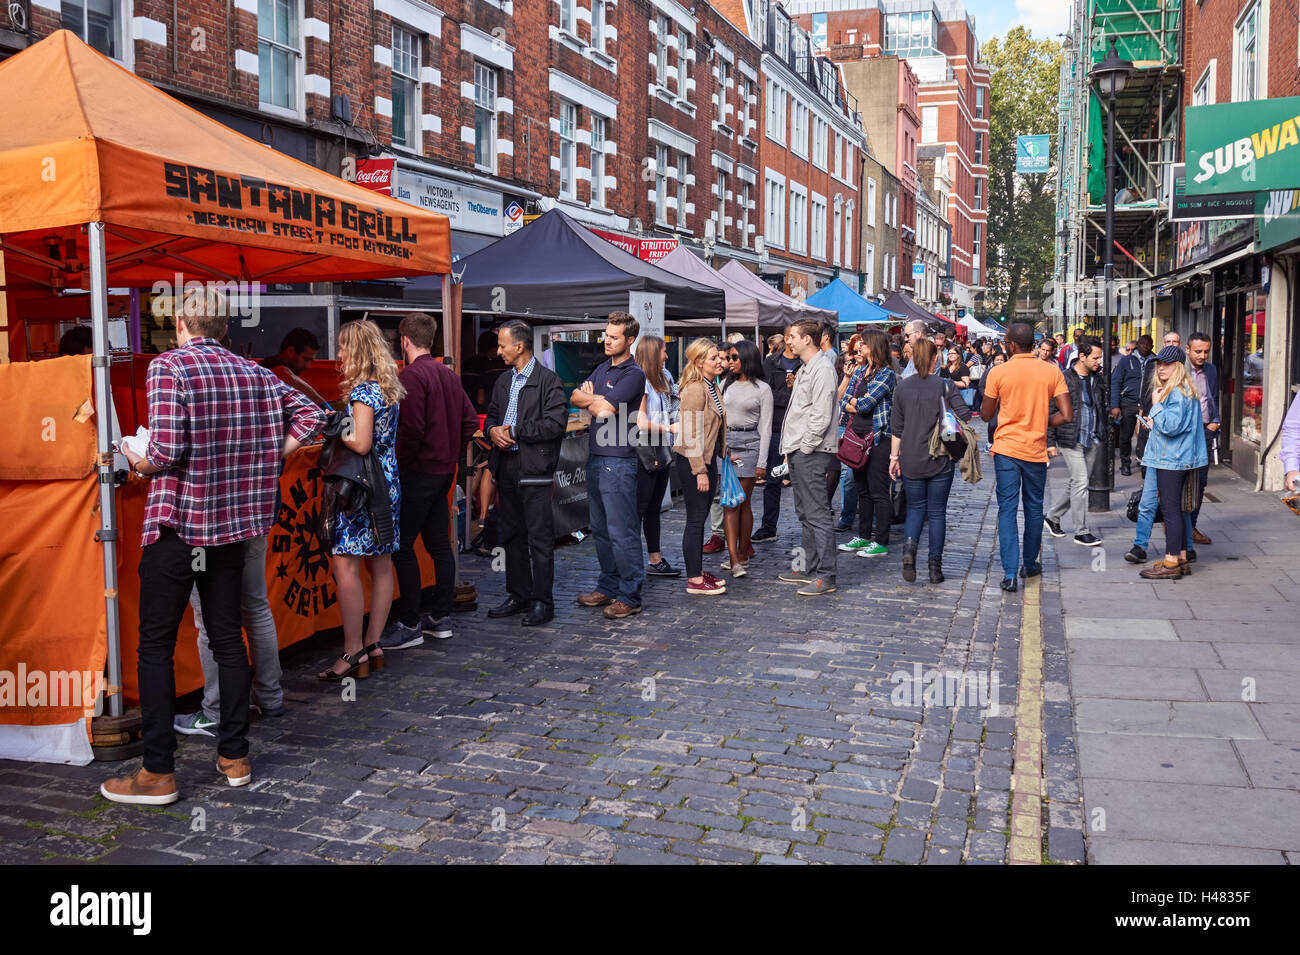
87,141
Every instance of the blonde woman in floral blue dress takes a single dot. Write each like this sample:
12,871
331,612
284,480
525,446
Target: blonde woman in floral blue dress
369,379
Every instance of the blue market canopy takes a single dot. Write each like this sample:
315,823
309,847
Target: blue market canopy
556,270
853,308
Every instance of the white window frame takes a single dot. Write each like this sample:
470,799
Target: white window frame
979,148
837,241
663,28
774,206
569,16
799,129
720,184
745,89
817,223
869,268
597,163
663,157
979,194
777,109
871,202
798,242
485,102
1244,85
848,236
746,193
929,124
568,149
408,56
1203,94
683,64
298,54
598,25
683,171
119,29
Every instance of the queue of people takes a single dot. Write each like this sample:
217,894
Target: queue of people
887,417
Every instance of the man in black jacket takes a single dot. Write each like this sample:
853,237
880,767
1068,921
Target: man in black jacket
780,369
1079,440
1126,396
526,421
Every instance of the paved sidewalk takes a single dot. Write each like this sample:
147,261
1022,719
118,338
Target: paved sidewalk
757,727
1188,692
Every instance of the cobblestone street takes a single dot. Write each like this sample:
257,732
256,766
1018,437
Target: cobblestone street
756,727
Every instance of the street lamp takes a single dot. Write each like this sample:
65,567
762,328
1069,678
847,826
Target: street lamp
1111,75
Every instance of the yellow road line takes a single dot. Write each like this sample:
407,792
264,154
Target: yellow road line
1027,776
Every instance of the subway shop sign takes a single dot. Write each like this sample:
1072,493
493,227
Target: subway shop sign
1249,146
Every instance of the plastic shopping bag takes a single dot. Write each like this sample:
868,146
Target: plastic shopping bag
730,493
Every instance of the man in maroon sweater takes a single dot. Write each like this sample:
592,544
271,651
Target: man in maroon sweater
436,422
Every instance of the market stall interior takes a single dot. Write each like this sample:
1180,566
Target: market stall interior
105,181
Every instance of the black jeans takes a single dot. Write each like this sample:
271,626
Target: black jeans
424,515
1127,423
1169,485
772,486
526,527
875,505
650,487
697,513
169,570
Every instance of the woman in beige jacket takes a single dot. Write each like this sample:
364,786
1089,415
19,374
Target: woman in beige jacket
702,439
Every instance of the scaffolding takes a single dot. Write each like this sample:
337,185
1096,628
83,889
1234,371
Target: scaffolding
1148,116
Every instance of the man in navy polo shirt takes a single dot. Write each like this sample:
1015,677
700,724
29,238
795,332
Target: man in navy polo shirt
612,396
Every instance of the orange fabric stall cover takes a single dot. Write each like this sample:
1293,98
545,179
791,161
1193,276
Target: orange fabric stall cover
88,141
42,402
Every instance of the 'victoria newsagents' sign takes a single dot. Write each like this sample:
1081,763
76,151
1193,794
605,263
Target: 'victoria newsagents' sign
1248,146
469,208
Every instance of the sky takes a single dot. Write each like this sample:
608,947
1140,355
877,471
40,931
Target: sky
1043,18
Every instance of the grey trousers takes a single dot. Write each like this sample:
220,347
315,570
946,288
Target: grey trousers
259,625
808,473
1078,463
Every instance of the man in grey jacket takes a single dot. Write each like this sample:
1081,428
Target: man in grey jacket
808,441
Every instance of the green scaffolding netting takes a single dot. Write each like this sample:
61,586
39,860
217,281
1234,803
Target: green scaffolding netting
1144,31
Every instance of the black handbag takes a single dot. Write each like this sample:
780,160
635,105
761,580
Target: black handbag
654,455
1134,505
897,503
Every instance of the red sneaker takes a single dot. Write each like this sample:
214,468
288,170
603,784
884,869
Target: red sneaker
714,545
709,587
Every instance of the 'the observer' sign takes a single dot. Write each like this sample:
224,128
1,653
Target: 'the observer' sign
1249,146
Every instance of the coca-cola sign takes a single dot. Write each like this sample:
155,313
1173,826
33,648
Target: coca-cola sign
376,174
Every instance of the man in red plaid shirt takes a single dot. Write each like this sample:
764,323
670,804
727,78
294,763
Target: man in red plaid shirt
219,427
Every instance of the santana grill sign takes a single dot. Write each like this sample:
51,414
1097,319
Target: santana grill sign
251,206
1249,146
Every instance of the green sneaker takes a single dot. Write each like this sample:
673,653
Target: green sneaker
194,724
873,550
856,544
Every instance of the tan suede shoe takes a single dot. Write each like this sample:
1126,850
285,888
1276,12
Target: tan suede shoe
142,788
238,772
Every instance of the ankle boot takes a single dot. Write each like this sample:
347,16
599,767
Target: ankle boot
936,570
909,560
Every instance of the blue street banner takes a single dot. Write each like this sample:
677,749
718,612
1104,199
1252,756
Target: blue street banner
1033,154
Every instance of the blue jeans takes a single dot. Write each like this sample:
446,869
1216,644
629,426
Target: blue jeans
848,493
1147,513
928,498
616,526
1017,481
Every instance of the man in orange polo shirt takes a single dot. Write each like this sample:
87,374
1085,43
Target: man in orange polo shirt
1018,392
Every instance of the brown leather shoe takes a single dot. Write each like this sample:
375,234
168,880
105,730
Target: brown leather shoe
1185,566
618,610
594,599
1199,538
238,772
1162,571
142,788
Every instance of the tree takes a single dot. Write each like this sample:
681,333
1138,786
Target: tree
1024,86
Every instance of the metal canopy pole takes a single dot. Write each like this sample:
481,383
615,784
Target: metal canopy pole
107,533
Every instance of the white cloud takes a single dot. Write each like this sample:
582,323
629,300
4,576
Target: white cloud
1043,18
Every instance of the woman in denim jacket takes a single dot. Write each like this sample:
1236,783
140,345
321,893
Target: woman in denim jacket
1175,450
